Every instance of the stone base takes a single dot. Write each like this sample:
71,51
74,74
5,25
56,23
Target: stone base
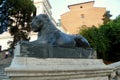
26,68
57,78
48,51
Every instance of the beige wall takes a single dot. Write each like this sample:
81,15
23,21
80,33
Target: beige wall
82,14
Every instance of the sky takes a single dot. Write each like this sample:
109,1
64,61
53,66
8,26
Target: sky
59,7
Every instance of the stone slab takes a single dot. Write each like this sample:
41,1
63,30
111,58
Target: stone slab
26,68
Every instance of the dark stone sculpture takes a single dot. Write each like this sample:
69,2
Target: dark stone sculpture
49,34
53,43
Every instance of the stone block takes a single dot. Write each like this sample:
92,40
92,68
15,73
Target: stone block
47,51
28,68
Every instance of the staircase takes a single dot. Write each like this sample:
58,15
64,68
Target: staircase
3,76
4,62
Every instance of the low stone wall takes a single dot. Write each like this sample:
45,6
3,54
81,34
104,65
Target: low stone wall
116,70
27,68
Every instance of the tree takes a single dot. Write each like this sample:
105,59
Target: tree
106,17
4,13
113,34
105,40
20,15
97,40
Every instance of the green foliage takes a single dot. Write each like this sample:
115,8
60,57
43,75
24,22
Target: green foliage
113,34
0,1
97,40
106,17
21,16
105,39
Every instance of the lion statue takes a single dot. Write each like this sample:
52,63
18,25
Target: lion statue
49,34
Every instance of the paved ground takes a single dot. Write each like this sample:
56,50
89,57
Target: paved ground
4,62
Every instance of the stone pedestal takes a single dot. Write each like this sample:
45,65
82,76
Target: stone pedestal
26,68
48,51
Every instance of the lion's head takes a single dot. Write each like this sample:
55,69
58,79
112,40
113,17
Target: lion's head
39,21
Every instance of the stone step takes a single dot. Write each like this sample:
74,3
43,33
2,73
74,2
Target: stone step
1,72
3,76
5,79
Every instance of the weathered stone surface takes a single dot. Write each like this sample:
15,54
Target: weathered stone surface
116,72
48,51
26,68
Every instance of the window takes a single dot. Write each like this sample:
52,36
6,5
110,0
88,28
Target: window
81,6
82,16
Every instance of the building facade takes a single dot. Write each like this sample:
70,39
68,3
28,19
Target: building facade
82,14
44,7
4,39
